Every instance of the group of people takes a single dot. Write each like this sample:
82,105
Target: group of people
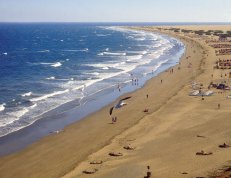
220,45
226,51
223,64
135,81
216,41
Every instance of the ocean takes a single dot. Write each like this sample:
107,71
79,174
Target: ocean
50,69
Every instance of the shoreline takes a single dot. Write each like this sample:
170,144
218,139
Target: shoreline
66,154
55,121
78,170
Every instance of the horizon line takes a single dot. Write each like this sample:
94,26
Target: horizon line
108,22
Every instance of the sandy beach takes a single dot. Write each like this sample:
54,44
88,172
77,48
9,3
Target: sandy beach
166,138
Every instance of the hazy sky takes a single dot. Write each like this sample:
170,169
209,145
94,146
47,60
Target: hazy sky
115,10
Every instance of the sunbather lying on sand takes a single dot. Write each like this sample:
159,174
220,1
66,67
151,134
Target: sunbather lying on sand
149,173
90,171
96,162
128,147
202,152
145,110
115,154
224,145
201,136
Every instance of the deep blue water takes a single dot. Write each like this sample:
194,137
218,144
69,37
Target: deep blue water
43,66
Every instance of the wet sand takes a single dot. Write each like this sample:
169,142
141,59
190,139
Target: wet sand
165,138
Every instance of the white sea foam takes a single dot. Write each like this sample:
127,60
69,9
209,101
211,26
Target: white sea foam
11,117
27,94
130,37
134,57
157,45
49,95
99,35
5,53
51,78
2,107
102,66
100,54
102,74
44,51
64,79
112,54
43,63
137,52
94,73
115,54
76,50
33,106
159,64
140,39
19,113
107,75
57,64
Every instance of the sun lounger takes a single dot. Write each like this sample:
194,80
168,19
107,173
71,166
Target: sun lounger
115,154
203,153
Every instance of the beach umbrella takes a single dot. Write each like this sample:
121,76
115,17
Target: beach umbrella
111,109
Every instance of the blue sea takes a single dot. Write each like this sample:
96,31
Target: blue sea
45,66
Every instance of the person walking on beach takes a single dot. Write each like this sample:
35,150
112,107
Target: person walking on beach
149,173
119,87
114,119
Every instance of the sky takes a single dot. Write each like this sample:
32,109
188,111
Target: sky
115,10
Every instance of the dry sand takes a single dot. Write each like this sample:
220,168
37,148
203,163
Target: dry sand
165,138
